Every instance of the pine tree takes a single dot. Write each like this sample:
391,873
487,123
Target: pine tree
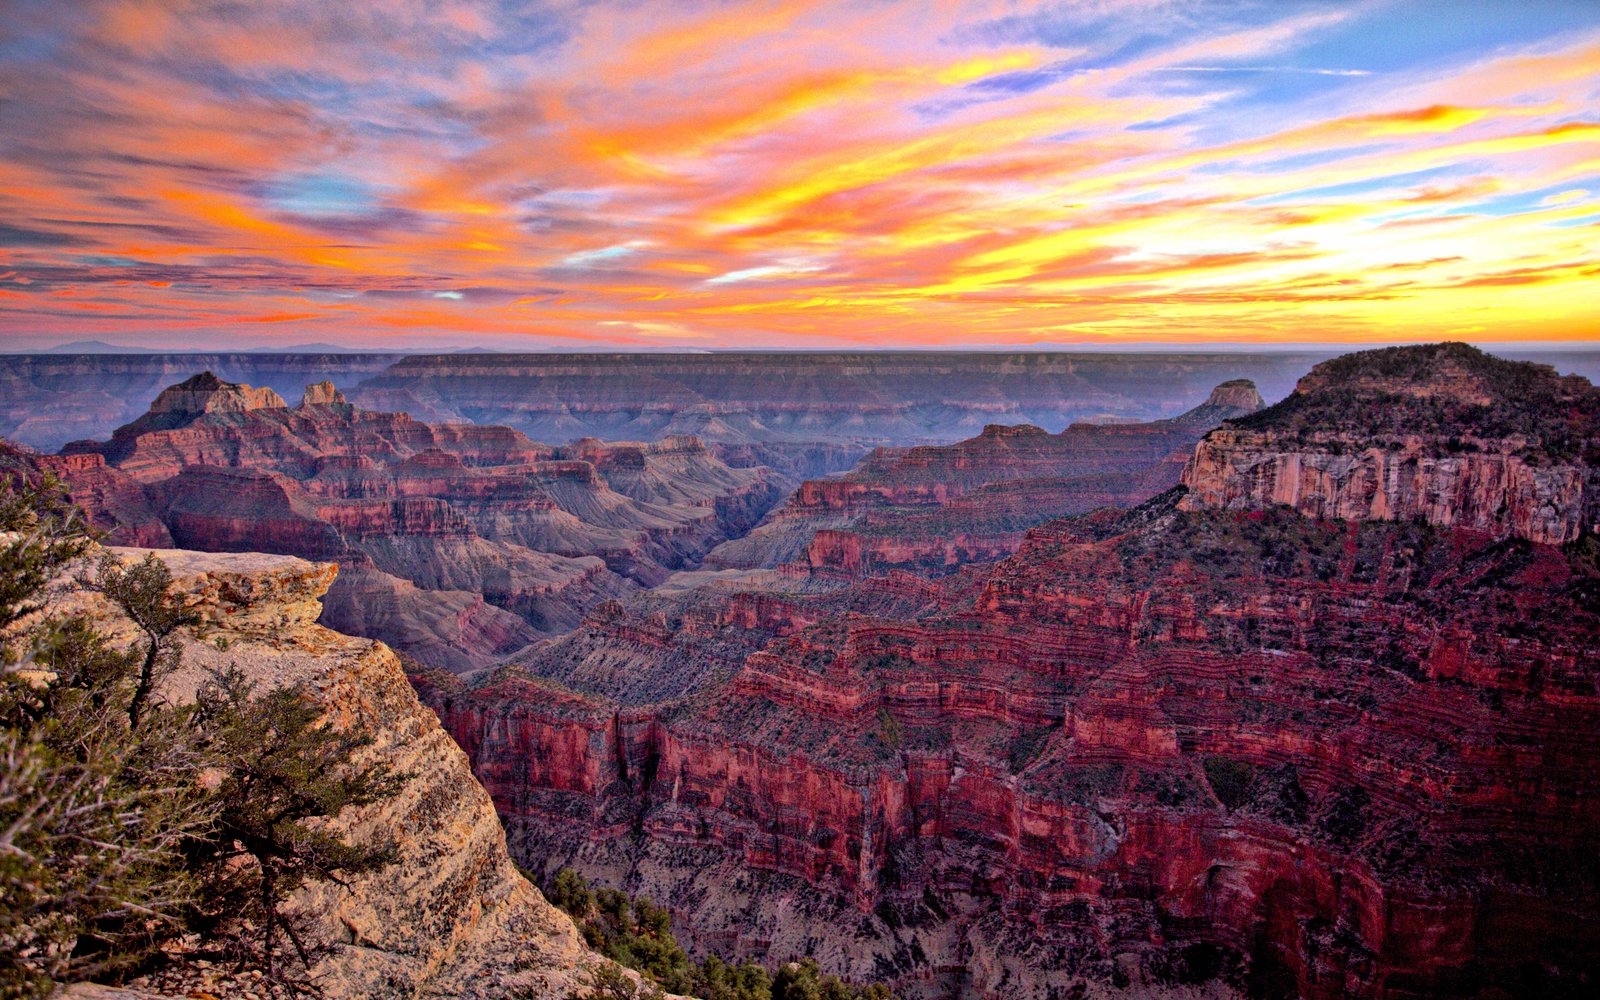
143,592
285,770
607,982
95,813
42,533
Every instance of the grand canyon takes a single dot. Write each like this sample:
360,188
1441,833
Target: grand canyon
799,500
1277,700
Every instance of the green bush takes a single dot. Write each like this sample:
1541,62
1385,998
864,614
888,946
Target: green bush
889,729
637,934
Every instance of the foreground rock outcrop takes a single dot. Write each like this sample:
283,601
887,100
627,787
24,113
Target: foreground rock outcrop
1211,739
452,917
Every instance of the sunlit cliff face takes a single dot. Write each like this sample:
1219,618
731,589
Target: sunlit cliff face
428,172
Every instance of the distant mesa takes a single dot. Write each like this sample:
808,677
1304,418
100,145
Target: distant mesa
205,393
1013,430
1239,394
323,393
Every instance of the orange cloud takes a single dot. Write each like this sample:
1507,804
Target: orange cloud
783,173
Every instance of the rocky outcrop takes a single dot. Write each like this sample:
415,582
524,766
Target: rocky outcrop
451,917
1446,434
480,518
205,393
1234,394
323,393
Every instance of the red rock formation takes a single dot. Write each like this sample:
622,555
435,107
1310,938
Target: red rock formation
1314,757
932,508
469,513
323,393
205,393
1497,446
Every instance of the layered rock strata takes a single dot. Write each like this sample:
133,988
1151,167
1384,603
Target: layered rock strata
930,509
1445,434
460,543
1188,743
808,414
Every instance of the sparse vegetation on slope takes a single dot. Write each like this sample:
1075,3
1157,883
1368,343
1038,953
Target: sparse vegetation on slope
1453,394
638,934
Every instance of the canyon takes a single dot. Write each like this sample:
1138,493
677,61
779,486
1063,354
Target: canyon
933,508
1195,700
1231,734
802,414
457,543
810,414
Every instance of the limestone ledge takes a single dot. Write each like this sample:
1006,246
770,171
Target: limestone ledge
453,917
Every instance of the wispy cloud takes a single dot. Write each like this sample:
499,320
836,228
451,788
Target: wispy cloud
785,172
1267,69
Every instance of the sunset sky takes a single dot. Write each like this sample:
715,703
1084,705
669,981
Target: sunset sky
432,173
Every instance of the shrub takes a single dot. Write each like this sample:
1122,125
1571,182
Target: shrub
889,729
637,934
285,771
96,803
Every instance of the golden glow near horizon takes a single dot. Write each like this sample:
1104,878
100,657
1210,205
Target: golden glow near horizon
783,174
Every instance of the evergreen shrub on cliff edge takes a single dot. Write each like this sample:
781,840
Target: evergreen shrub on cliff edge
128,824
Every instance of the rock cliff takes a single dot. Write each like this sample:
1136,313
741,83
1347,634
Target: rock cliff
452,917
1446,434
461,543
933,508
1197,741
205,393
